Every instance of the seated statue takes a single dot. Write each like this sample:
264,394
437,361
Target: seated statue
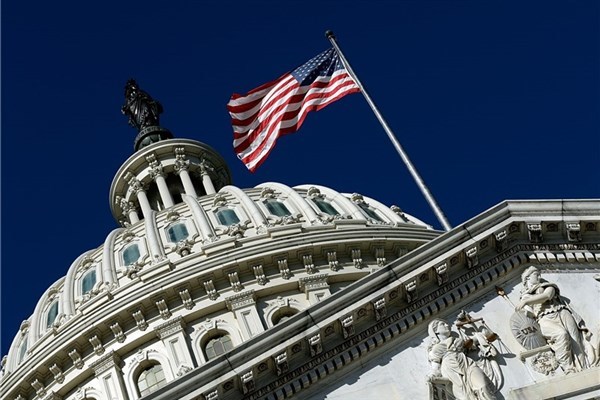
447,353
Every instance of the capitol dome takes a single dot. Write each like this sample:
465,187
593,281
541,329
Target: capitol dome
196,268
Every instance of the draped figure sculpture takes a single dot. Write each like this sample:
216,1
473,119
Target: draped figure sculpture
447,355
143,111
561,327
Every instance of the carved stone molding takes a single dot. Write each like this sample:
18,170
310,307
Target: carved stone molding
240,300
314,282
140,320
106,362
170,328
117,332
210,289
186,298
284,269
76,357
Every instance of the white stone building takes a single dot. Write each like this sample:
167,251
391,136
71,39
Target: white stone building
209,291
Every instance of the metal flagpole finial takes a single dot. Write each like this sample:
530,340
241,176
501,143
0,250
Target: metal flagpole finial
329,34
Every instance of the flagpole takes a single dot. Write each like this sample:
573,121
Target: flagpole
436,209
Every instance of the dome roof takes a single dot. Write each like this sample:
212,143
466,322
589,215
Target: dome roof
270,241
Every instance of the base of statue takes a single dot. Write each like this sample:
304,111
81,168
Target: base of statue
149,135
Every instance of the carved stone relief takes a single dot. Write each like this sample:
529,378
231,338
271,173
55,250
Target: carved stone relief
463,361
549,329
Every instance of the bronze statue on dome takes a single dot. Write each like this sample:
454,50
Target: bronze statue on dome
143,111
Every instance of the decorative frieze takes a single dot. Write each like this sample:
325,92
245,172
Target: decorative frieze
140,320
186,298
210,289
284,269
76,357
259,274
117,332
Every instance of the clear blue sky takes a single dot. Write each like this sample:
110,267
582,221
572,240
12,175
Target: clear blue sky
492,100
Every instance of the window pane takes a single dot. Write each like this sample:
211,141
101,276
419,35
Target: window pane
88,282
326,207
369,211
22,350
52,314
217,346
276,207
227,217
177,233
131,254
151,379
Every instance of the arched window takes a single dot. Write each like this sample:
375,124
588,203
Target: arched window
131,254
151,379
177,233
88,281
283,314
369,212
277,208
227,217
52,314
325,206
22,350
218,345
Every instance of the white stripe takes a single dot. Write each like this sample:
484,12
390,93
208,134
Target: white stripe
291,107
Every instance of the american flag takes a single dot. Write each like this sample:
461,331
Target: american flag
279,107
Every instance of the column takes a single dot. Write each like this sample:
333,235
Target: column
128,208
159,177
182,166
136,188
205,170
175,339
110,377
243,306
